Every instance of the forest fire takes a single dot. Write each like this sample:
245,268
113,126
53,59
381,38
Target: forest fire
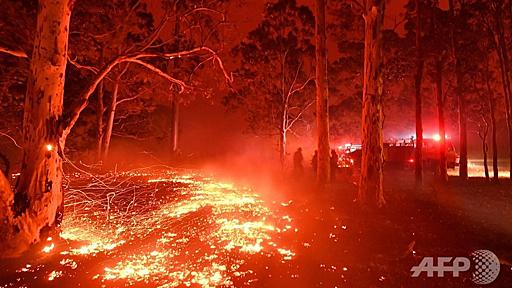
237,109
164,226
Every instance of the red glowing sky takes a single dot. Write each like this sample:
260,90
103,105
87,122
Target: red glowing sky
245,18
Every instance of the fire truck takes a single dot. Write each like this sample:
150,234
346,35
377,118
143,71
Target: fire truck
400,153
431,152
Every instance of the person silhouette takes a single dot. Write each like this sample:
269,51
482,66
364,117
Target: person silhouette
334,164
298,167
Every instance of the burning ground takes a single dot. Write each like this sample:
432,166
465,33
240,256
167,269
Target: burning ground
161,227
156,227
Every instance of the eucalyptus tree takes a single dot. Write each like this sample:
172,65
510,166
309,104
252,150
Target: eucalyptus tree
276,72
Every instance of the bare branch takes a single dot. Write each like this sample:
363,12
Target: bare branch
154,36
133,97
229,77
212,32
73,118
398,23
162,43
12,139
17,53
127,99
283,63
298,116
118,27
80,66
203,9
301,87
293,132
199,65
87,93
294,81
128,136
160,73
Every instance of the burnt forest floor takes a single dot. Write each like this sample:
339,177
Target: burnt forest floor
361,247
161,227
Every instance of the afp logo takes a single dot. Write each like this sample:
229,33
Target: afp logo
485,263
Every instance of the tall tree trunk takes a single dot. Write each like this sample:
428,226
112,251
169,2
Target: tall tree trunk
441,120
485,149
371,182
282,147
322,97
283,129
417,85
494,143
38,197
111,115
174,124
100,109
492,112
461,102
174,100
463,131
99,121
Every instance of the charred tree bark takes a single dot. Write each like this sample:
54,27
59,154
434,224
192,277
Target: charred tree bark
371,181
322,97
418,77
461,102
443,174
38,197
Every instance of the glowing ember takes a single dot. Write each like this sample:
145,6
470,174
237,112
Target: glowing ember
287,254
69,263
54,274
48,248
168,228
